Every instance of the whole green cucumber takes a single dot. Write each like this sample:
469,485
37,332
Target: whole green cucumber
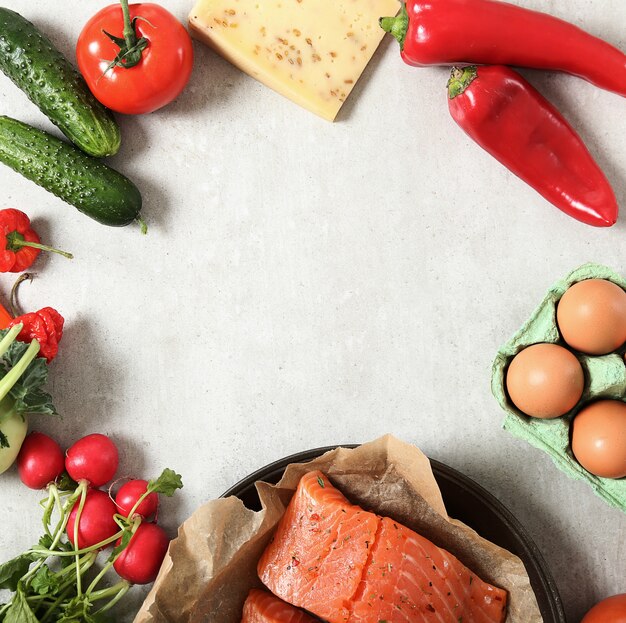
82,181
33,63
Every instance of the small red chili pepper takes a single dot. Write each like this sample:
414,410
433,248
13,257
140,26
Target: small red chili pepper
46,326
454,32
511,120
19,243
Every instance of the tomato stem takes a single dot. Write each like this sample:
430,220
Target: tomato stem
131,47
130,36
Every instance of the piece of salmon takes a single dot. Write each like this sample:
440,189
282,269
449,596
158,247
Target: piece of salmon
347,565
320,549
261,607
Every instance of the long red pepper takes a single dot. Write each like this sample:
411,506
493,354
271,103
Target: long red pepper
511,120
453,32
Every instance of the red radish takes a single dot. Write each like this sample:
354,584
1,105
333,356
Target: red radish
40,461
96,521
93,458
129,494
140,561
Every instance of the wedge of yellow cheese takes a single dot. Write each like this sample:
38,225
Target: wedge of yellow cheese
311,51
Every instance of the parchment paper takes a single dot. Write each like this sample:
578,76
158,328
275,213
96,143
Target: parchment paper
211,566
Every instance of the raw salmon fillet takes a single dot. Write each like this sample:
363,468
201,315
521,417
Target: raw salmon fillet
320,549
261,607
347,565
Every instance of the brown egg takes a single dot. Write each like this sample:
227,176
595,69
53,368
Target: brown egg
592,316
545,381
599,438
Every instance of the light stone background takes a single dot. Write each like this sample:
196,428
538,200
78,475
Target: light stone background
306,283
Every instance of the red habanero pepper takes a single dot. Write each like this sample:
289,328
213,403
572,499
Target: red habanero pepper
46,326
19,243
456,32
511,120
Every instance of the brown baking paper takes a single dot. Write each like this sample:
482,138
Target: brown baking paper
211,566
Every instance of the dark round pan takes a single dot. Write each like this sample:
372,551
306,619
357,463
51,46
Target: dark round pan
465,500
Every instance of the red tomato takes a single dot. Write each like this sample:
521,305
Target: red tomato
609,610
96,523
40,461
140,562
160,75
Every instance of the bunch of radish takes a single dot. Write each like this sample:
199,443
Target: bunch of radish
55,580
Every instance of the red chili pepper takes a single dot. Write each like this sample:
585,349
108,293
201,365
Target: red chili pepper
5,318
19,243
46,326
511,120
453,32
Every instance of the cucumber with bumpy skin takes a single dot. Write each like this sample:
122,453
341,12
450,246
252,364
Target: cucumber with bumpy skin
82,181
32,62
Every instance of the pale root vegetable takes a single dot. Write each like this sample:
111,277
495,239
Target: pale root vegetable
22,375
14,428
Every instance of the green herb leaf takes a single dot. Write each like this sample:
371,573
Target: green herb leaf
27,392
320,482
4,442
45,541
118,549
20,611
44,581
12,571
166,483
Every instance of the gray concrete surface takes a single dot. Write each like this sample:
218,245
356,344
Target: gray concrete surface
306,283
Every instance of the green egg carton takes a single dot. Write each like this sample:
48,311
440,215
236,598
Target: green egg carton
605,377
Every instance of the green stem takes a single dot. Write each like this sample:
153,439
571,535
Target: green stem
121,588
9,338
56,537
16,285
47,510
129,32
87,562
142,497
110,563
15,241
143,226
13,376
81,505
460,79
54,605
397,26
80,552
